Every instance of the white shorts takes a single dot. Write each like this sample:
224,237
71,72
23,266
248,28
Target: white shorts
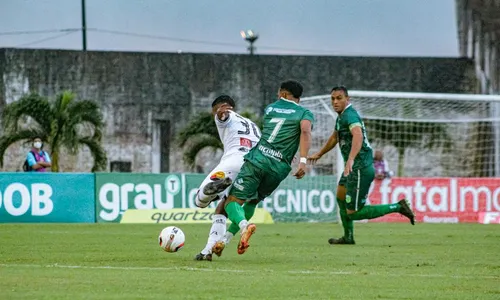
227,167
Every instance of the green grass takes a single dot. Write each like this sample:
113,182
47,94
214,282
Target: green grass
285,261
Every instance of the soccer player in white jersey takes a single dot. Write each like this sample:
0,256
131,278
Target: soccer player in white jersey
238,135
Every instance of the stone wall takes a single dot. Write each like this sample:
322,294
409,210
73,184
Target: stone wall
136,90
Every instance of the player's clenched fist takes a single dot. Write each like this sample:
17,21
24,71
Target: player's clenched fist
301,171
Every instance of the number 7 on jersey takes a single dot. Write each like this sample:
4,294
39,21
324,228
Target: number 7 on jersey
279,122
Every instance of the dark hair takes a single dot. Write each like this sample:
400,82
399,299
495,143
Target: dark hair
293,87
340,88
224,99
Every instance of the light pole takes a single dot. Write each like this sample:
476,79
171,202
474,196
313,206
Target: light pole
250,37
84,27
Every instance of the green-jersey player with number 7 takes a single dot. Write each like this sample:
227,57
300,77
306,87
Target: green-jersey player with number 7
286,126
354,184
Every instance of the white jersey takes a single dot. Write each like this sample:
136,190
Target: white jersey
238,134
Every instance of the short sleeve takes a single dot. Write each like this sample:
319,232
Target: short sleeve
47,157
353,120
31,159
308,115
224,123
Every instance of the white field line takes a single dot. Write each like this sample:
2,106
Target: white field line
301,272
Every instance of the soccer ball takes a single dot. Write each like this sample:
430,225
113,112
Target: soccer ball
171,239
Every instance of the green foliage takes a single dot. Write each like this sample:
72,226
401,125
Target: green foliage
59,123
201,132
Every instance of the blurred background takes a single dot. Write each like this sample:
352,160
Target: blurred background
155,66
323,27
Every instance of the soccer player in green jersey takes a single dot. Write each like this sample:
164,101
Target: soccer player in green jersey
353,187
286,126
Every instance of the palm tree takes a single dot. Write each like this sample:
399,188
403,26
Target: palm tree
405,134
61,123
201,132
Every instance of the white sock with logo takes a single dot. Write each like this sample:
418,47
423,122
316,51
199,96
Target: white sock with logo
216,234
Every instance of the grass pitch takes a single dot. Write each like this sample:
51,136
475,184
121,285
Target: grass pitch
285,261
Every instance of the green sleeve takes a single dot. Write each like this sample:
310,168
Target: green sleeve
308,116
353,120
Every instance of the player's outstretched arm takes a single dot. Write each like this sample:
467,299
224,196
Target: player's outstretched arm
330,144
357,142
305,145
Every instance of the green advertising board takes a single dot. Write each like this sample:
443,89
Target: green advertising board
311,199
47,198
117,192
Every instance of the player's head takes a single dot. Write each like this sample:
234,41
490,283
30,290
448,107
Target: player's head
290,90
340,98
222,100
378,155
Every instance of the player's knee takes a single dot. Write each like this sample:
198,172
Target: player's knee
232,198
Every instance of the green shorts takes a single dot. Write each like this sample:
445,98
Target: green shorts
357,186
255,183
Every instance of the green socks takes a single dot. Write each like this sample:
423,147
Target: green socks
233,228
347,222
249,210
375,211
235,212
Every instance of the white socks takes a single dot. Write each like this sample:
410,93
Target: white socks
243,224
227,237
217,233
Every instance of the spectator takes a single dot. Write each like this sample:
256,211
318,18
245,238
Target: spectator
381,165
37,159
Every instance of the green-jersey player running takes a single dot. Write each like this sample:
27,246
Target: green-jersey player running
359,172
286,126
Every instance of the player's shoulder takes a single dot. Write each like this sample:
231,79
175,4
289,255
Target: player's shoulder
305,112
269,108
351,112
304,109
351,109
237,115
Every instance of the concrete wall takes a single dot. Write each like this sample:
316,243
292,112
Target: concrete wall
136,89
